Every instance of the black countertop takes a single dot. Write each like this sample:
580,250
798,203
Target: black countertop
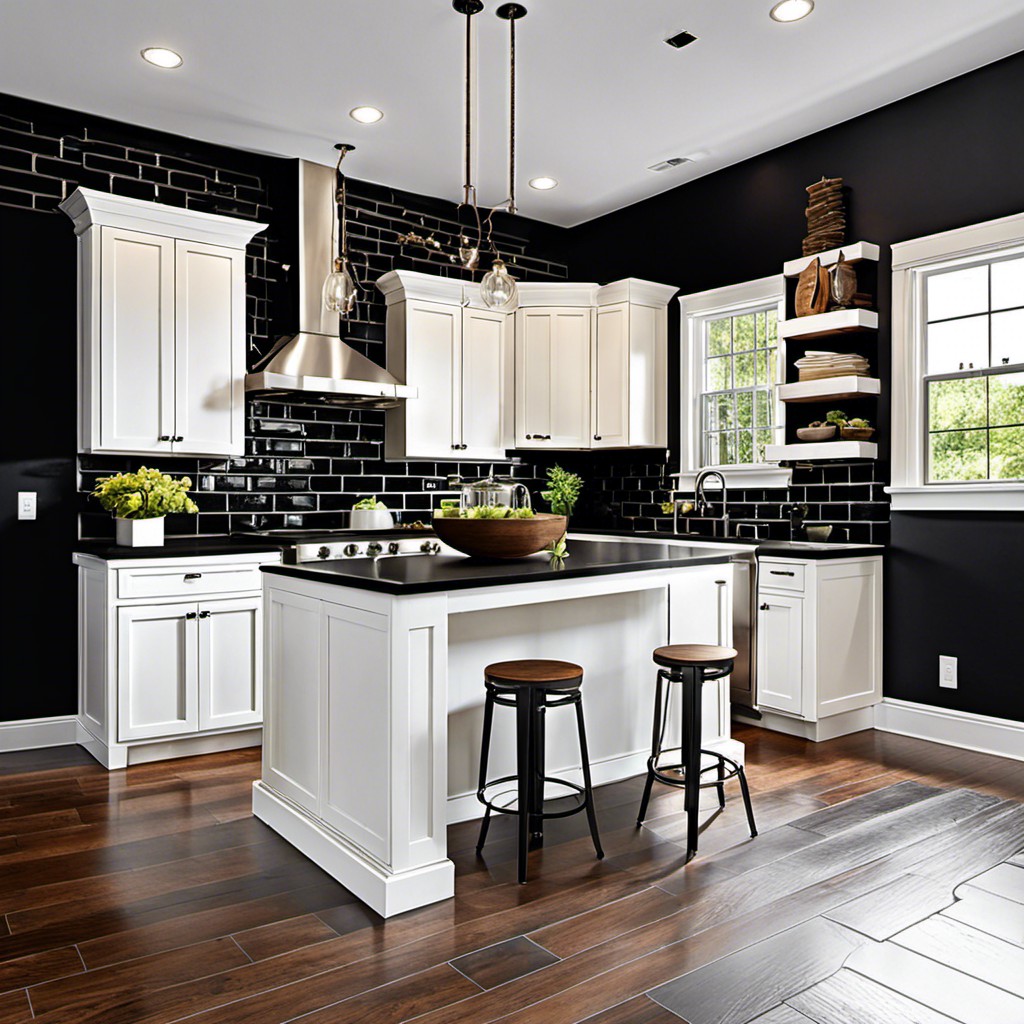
763,548
181,547
422,574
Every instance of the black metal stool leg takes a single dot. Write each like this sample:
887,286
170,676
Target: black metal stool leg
587,787
692,682
721,783
742,775
485,750
524,726
655,744
537,740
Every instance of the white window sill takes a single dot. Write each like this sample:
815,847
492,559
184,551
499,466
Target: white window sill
762,476
958,498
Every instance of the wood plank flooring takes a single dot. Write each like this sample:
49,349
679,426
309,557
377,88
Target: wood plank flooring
888,875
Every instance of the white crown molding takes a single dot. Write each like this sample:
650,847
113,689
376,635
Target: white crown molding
557,293
974,238
982,733
88,208
400,285
637,291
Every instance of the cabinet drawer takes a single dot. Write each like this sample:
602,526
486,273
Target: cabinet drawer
781,575
187,581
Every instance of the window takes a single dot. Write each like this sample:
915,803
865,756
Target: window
958,369
732,361
738,407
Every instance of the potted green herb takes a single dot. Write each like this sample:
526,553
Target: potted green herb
371,514
139,501
563,490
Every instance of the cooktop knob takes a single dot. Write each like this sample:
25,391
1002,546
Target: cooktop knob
374,548
430,547
350,551
393,548
324,552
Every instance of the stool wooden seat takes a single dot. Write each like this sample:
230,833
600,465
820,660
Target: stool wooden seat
534,672
690,665
532,686
702,655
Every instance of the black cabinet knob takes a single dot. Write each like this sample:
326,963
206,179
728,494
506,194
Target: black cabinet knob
597,437
177,437
765,607
204,615
164,437
190,615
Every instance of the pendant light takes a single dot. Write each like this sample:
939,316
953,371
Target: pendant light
498,289
340,291
468,255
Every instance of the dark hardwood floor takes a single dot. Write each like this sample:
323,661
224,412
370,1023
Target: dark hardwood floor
887,884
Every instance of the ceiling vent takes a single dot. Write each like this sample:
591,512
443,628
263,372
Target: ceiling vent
681,39
672,161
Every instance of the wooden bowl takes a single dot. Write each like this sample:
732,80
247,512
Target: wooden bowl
857,433
816,433
500,538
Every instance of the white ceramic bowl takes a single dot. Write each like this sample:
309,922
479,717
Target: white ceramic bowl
371,519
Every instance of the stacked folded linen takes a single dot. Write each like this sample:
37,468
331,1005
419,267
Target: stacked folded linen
819,365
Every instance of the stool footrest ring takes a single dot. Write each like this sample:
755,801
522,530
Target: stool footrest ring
574,790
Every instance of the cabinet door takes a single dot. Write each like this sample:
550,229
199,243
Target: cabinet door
157,668
136,355
610,385
433,340
230,664
570,379
209,349
648,397
533,378
780,667
484,400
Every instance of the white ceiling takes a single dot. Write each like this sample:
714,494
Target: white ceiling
601,95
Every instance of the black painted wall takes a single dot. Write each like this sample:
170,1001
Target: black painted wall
944,158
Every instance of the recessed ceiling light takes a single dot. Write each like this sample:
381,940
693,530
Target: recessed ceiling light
161,57
791,10
672,161
681,39
544,183
366,115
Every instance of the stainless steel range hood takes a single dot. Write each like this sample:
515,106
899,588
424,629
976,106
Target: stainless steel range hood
315,363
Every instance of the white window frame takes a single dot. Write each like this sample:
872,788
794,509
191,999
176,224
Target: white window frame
694,311
912,261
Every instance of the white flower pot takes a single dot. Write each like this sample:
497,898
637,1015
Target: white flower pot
371,519
140,533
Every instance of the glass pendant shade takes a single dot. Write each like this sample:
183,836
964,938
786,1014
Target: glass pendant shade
498,289
339,289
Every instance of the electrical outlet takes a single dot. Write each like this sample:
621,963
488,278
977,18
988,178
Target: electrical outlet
26,504
947,671
434,483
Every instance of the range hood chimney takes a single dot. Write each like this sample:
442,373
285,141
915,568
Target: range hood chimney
315,362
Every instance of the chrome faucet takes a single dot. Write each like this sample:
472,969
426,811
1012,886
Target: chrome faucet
703,506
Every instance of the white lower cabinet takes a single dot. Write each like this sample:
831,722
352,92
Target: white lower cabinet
174,672
819,640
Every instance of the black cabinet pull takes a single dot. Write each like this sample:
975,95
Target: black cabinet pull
164,437
204,615
781,572
193,576
765,607
597,437
190,615
177,437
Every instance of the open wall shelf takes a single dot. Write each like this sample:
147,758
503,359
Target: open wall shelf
814,450
837,321
853,253
830,389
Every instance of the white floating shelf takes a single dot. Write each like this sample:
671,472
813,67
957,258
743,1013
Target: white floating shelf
838,321
854,253
829,388
814,450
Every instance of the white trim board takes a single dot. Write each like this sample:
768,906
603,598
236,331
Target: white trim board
35,733
982,733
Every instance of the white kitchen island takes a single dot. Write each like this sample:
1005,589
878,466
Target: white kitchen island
374,691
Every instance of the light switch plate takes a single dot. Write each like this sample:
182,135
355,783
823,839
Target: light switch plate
947,671
26,504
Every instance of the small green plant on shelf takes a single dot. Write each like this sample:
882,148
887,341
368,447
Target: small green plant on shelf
563,490
145,494
369,505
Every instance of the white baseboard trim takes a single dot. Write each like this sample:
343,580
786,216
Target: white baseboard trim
981,733
828,728
466,807
33,733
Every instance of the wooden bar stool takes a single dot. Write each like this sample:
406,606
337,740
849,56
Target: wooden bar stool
691,665
531,687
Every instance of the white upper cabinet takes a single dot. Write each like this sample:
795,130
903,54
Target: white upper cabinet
577,366
459,357
161,326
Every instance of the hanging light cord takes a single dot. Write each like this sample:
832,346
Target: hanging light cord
512,117
341,199
469,188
